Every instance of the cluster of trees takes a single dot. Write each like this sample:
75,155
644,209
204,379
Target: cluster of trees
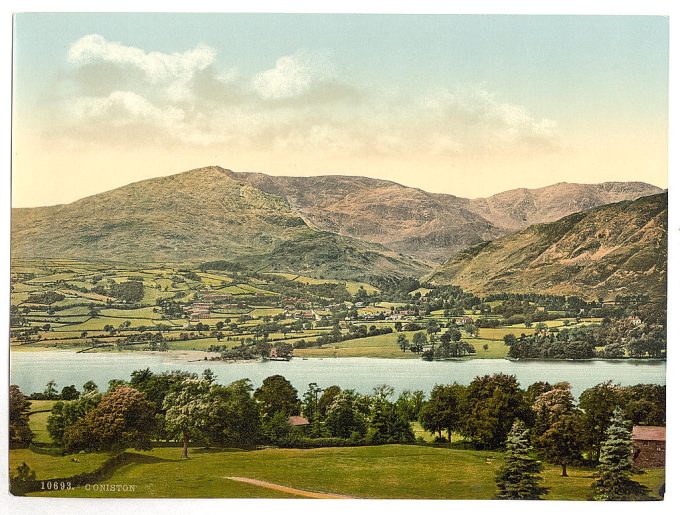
360,419
518,477
562,431
417,343
573,343
619,338
127,291
319,293
185,407
256,350
637,339
571,305
169,406
483,411
51,393
47,297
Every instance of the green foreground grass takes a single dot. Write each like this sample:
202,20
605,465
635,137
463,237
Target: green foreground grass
389,471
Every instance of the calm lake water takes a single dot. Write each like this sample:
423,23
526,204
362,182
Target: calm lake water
31,370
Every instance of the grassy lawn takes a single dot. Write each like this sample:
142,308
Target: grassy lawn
98,323
201,344
353,287
577,485
142,313
41,405
385,346
48,467
496,350
389,471
38,424
381,346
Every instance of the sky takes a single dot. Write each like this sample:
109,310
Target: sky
459,104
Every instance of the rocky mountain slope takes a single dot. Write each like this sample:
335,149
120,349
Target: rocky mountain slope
200,215
336,226
427,225
614,249
516,209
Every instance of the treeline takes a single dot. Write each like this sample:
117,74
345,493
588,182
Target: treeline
562,431
251,348
127,291
618,338
183,407
48,297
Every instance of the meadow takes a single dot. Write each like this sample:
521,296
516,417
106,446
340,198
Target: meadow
383,472
419,471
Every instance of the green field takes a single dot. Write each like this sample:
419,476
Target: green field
388,471
381,346
47,466
385,346
89,311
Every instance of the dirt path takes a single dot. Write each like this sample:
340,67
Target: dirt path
287,489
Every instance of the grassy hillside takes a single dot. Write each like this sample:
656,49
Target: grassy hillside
614,249
388,471
200,215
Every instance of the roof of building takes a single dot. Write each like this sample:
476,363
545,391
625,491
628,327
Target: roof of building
296,420
654,433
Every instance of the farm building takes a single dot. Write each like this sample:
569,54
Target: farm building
649,446
198,310
296,420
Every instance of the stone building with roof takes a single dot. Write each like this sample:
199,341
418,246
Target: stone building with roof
649,446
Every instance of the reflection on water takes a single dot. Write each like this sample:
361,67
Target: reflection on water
31,370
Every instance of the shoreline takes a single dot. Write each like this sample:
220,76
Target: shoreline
188,356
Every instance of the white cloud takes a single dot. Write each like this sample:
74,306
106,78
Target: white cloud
293,76
300,104
123,108
174,70
157,66
473,117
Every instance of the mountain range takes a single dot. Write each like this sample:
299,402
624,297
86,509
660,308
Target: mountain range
431,226
618,248
196,216
330,226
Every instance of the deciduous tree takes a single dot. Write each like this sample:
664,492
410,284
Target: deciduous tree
277,394
20,434
124,418
187,409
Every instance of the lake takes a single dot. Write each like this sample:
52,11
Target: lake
32,370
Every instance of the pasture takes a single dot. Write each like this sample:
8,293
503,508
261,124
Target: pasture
376,472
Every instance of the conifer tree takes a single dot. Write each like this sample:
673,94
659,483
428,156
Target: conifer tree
616,465
519,476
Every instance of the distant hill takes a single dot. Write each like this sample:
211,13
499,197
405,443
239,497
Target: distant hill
519,208
431,226
618,248
200,215
336,226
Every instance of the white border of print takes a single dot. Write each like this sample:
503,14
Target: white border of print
9,504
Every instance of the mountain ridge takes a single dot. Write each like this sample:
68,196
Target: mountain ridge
196,216
428,225
618,248
368,226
